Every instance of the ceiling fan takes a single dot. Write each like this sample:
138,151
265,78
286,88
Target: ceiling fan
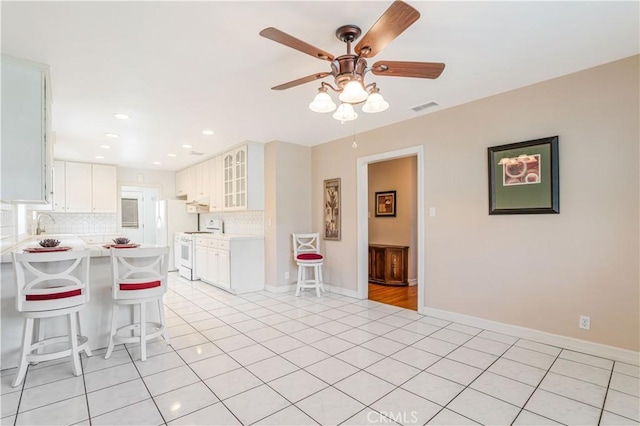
349,70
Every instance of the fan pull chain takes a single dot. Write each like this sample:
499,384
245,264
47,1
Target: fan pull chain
354,145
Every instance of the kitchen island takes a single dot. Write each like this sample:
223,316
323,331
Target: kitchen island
95,317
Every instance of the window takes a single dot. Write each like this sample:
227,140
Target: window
130,213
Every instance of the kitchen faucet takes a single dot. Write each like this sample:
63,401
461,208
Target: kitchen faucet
42,230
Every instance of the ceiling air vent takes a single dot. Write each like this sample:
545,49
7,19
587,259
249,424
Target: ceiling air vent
196,153
424,106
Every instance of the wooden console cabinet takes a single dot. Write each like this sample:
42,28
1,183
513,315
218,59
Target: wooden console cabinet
388,264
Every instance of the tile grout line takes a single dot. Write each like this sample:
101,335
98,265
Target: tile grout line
86,394
538,386
606,393
179,296
470,383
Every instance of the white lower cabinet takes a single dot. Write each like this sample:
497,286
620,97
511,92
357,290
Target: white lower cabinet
235,264
202,266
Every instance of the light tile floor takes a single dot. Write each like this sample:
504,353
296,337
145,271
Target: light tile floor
274,359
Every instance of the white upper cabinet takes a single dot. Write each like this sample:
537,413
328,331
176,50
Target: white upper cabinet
181,183
243,178
59,203
191,185
202,183
215,184
85,188
104,189
231,181
78,187
26,147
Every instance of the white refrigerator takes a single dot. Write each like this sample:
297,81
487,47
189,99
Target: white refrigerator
172,217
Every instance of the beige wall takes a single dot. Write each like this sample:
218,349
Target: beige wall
165,180
395,175
287,207
536,271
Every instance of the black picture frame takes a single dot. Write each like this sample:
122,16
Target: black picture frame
524,177
385,204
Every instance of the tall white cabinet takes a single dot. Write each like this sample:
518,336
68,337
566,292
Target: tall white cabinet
27,148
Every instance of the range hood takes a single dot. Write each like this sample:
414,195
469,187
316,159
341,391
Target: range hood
197,208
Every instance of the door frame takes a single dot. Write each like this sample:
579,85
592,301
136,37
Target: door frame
363,217
135,187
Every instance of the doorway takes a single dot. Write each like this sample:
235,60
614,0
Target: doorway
392,232
363,221
137,217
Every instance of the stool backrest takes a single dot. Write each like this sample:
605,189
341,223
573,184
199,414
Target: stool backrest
49,281
306,243
139,273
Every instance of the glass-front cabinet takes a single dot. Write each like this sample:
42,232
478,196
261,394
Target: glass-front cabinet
228,180
240,178
243,175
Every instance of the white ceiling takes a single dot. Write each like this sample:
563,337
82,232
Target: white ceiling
180,67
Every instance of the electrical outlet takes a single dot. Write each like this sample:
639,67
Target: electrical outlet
286,275
585,322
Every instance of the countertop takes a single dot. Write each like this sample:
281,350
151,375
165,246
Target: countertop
229,237
66,240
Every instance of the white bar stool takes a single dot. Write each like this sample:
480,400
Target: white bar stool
50,285
139,276
306,252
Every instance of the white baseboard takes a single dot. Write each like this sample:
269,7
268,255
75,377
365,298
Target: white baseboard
592,348
413,281
278,289
341,291
328,287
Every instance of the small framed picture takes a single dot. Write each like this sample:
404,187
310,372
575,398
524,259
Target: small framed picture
332,209
386,203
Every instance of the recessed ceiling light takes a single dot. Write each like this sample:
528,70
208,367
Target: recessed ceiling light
186,146
207,132
112,135
99,157
171,155
121,116
157,163
105,146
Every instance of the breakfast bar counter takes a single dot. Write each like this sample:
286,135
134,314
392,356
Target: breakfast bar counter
95,318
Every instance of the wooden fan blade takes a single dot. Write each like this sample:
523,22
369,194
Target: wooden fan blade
294,43
408,69
390,25
302,80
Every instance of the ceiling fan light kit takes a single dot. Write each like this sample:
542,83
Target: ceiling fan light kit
349,70
375,103
345,112
322,103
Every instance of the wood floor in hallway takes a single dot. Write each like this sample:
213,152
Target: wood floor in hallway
404,297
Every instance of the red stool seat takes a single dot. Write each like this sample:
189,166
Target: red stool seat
309,256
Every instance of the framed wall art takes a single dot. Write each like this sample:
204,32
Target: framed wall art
524,177
386,204
332,209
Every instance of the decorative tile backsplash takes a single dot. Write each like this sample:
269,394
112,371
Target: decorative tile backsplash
78,223
245,222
